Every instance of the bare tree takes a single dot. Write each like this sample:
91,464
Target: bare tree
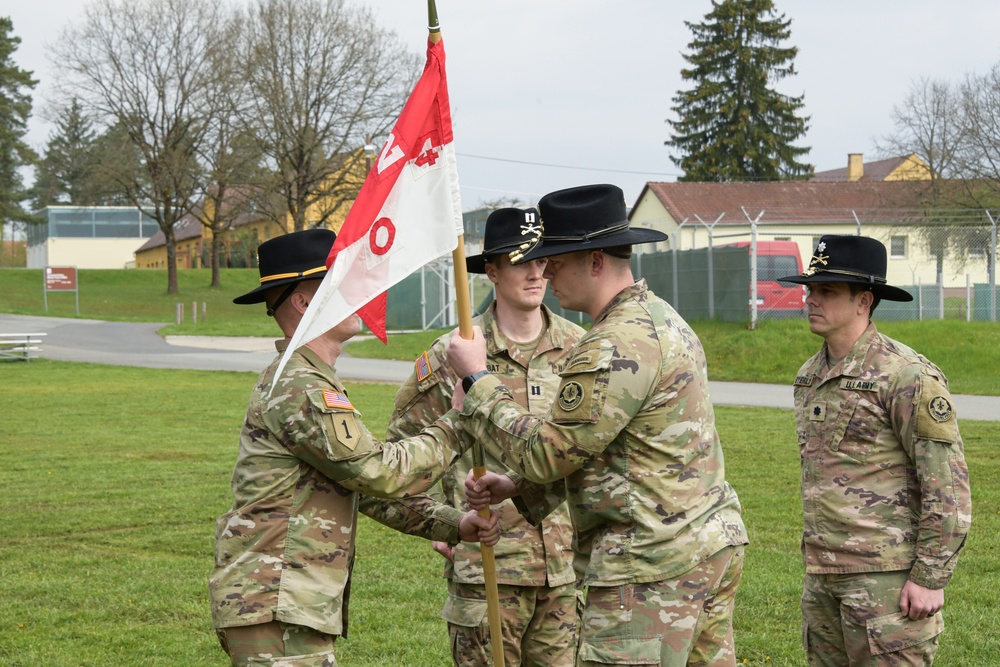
231,159
321,76
149,68
947,125
980,155
927,122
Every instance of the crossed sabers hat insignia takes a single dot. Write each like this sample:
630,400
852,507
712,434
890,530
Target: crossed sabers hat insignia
528,227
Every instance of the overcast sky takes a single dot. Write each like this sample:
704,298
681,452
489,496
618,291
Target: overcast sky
548,94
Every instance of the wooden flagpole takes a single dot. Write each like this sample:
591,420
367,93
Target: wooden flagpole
463,305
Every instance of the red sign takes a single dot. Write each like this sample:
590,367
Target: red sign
60,278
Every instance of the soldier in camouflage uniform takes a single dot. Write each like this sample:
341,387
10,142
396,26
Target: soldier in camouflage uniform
885,488
630,441
283,554
526,347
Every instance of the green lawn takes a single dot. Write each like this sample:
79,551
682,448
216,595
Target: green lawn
113,477
772,353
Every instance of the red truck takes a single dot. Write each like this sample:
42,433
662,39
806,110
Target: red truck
774,260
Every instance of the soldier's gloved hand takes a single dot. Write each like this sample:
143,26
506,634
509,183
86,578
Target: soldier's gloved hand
444,549
489,489
474,528
467,356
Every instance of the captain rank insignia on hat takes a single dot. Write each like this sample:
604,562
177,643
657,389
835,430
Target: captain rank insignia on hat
528,227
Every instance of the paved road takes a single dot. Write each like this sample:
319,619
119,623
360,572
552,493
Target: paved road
132,344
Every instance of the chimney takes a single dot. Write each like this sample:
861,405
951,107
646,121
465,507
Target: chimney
855,167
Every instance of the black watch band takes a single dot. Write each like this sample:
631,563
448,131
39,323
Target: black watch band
469,380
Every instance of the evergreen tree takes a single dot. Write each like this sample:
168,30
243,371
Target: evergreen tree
733,126
15,108
66,172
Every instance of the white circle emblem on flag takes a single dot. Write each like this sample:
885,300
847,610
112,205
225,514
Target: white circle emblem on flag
381,236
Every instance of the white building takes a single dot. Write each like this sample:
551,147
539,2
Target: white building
88,237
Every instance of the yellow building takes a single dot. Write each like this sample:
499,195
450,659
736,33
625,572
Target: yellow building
906,168
193,234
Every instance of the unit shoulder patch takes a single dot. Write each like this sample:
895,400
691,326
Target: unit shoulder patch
935,415
570,396
940,408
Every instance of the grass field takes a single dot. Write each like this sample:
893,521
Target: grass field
772,353
113,477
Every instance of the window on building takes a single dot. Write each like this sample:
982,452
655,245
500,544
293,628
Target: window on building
897,247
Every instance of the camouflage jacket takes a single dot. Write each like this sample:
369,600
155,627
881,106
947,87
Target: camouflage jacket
884,481
630,440
526,555
285,550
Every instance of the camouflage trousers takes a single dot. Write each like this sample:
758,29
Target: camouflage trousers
540,625
854,620
277,644
686,620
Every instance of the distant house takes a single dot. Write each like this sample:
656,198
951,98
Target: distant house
194,242
87,237
907,168
699,215
248,228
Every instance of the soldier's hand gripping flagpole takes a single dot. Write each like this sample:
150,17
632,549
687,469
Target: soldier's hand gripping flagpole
463,305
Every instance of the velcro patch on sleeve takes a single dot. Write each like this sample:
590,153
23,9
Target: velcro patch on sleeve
584,386
936,418
345,436
422,367
336,400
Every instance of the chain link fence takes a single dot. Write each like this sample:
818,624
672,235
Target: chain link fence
946,260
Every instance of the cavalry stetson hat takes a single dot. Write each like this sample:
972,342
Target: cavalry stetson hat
290,259
507,230
588,217
850,259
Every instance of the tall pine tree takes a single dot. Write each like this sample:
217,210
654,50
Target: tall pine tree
733,126
66,173
15,109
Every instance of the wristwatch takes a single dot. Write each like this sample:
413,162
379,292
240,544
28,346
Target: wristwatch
469,380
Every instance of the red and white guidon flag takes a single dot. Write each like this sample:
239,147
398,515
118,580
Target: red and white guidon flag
407,213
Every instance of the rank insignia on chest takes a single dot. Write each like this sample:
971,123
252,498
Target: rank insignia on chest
334,399
817,411
570,396
940,408
804,380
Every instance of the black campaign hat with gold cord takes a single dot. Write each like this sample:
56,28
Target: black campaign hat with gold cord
850,259
588,217
288,260
507,229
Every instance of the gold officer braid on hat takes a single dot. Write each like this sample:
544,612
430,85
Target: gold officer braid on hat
297,274
528,227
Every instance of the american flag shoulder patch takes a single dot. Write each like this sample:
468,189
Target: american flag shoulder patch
334,399
423,367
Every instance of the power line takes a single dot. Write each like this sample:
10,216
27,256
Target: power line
566,166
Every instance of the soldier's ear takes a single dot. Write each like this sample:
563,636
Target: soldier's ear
866,300
491,272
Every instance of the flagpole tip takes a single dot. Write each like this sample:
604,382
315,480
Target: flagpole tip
432,17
